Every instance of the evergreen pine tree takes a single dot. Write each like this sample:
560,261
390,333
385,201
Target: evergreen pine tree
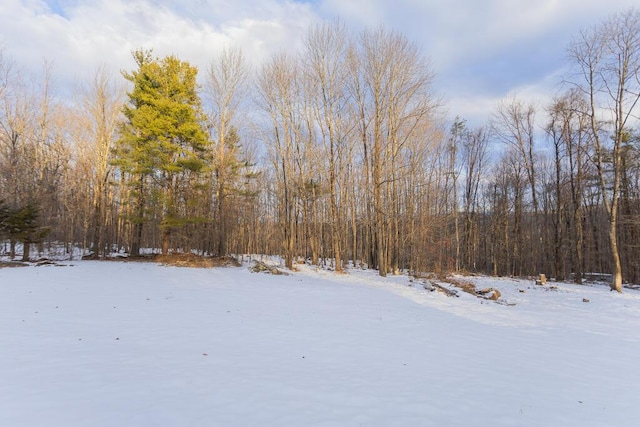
22,225
163,143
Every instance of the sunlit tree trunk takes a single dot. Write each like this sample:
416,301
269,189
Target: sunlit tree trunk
99,108
226,88
607,58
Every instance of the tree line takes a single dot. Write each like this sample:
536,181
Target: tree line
340,153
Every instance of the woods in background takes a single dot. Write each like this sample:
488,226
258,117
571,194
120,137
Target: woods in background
338,154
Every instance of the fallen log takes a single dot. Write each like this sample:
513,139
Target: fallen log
261,267
489,293
433,286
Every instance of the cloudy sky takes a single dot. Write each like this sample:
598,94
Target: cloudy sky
480,50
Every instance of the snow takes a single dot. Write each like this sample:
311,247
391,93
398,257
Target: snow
139,344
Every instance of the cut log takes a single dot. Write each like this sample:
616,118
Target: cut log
433,286
489,293
541,280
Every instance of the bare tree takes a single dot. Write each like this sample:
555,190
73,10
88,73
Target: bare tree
325,65
17,114
607,61
279,96
570,133
99,104
514,124
226,88
391,85
474,153
33,150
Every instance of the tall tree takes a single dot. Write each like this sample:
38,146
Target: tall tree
32,153
569,130
514,124
474,153
226,87
280,97
453,172
100,105
163,141
607,61
390,81
325,66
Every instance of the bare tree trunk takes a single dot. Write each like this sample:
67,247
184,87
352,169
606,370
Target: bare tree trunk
139,221
608,57
26,251
99,109
225,87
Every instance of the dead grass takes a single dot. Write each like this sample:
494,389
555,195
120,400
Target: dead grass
196,261
10,264
467,287
183,260
470,288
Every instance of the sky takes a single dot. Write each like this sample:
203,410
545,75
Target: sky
481,51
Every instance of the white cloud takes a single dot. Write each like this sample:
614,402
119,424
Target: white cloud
480,50
454,30
89,33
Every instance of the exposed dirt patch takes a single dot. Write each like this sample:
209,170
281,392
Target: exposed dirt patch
191,260
9,264
181,260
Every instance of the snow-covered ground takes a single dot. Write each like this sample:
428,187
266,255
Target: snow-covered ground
139,344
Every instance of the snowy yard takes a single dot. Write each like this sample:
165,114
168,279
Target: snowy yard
139,344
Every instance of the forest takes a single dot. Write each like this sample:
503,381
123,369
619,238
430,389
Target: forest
341,153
